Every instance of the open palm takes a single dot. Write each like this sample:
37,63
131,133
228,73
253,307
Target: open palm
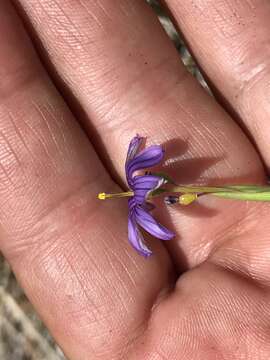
108,67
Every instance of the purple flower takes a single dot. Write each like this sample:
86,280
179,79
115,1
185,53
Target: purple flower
142,186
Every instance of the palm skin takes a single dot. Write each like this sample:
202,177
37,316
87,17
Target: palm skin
110,67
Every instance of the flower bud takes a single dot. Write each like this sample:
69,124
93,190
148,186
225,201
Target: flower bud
187,199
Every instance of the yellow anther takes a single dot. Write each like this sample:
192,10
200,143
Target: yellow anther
187,199
102,196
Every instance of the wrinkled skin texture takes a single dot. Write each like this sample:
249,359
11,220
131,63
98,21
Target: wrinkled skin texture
108,67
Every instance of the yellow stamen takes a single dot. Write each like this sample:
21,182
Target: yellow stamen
104,196
187,199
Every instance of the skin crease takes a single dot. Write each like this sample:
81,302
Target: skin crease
109,67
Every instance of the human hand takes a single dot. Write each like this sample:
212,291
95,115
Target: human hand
112,69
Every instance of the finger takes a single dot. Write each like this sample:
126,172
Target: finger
126,77
212,314
68,250
228,39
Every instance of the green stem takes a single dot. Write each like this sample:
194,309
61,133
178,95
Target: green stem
235,192
248,196
200,189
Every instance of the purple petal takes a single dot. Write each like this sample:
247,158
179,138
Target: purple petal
131,204
143,185
147,158
133,148
149,224
135,237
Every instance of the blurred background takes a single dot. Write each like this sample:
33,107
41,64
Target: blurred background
23,336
